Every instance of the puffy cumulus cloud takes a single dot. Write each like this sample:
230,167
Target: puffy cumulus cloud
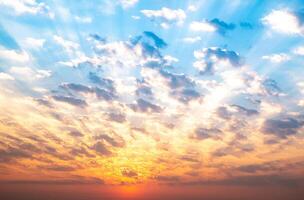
277,58
166,16
5,76
284,21
15,56
29,73
214,25
207,59
28,7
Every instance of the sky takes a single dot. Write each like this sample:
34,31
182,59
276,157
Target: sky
151,99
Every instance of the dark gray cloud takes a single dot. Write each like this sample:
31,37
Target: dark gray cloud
75,133
117,117
60,168
70,100
117,142
183,88
99,92
209,53
245,111
167,178
222,27
255,168
101,149
282,127
145,106
271,87
81,151
44,102
104,83
129,173
204,133
11,153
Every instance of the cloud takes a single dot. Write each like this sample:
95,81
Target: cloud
208,59
83,19
192,40
76,133
32,7
99,92
214,25
70,100
14,55
299,51
145,106
129,173
101,149
277,58
59,168
34,43
158,42
284,21
113,140
117,117
204,133
221,26
166,16
127,3
282,127
203,26
167,178
10,154
5,76
29,73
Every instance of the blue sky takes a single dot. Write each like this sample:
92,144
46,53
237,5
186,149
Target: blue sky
161,77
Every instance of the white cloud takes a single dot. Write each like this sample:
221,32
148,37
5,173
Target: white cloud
136,17
277,58
84,20
127,3
29,73
299,51
34,43
192,39
27,7
301,103
5,76
192,8
202,26
14,56
166,15
65,43
170,59
284,22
